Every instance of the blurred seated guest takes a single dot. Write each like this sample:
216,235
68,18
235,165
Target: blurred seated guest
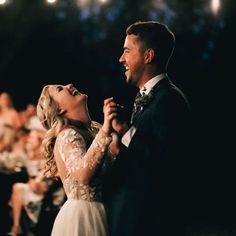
20,141
8,114
11,162
34,162
24,152
7,136
29,195
29,118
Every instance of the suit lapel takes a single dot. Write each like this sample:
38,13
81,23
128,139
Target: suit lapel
161,84
156,89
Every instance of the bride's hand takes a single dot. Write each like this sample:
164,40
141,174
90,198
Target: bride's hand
110,112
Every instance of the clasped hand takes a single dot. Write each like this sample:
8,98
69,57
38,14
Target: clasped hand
110,112
111,123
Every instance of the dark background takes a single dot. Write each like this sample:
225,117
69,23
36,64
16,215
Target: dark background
74,43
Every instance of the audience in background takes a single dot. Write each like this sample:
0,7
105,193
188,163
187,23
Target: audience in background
8,114
7,136
29,195
21,170
29,117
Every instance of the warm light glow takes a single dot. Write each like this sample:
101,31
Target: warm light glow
103,1
51,1
215,6
82,3
2,2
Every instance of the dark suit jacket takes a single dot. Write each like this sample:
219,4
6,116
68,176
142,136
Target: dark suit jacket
145,191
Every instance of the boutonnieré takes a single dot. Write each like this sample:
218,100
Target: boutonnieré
142,101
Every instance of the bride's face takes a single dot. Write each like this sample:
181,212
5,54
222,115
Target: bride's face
67,97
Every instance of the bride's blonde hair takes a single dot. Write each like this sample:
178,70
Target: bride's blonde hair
53,122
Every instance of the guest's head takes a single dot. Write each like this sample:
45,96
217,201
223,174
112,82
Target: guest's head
5,100
35,139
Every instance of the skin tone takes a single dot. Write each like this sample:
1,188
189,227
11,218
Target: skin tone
16,205
33,145
29,112
73,105
137,61
8,115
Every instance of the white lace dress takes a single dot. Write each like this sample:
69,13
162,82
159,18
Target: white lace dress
81,170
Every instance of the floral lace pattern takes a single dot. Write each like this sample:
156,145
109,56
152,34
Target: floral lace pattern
84,167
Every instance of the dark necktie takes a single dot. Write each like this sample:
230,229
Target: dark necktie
140,102
136,108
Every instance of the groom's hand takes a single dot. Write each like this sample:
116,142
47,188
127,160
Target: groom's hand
119,127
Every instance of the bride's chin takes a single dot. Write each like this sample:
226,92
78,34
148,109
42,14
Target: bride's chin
82,95
84,98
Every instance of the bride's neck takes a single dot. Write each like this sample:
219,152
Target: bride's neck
80,123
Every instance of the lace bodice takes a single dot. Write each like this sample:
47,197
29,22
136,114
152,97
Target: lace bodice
84,167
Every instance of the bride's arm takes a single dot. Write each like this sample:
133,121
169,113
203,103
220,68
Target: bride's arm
81,163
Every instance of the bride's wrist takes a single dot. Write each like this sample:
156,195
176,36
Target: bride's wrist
105,131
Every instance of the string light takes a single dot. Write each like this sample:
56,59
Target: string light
103,1
2,2
82,3
215,6
51,1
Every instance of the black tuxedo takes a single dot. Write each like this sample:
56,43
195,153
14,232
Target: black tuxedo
146,188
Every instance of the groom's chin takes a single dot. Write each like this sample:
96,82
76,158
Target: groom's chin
128,79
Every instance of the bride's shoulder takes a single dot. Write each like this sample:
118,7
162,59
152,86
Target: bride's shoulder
68,134
66,131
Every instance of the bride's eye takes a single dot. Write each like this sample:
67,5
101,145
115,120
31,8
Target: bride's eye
59,88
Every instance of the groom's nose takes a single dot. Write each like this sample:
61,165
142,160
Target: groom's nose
121,59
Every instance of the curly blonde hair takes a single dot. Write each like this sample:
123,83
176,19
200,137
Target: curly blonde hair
53,122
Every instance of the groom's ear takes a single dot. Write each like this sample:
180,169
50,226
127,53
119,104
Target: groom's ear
149,55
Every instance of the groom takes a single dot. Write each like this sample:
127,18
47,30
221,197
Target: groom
146,188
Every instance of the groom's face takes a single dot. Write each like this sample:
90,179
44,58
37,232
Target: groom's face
133,59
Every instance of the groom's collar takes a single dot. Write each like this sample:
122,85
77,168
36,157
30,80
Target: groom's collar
151,83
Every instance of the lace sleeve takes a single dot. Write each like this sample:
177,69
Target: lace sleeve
82,163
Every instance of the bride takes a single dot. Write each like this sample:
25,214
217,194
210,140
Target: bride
79,151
